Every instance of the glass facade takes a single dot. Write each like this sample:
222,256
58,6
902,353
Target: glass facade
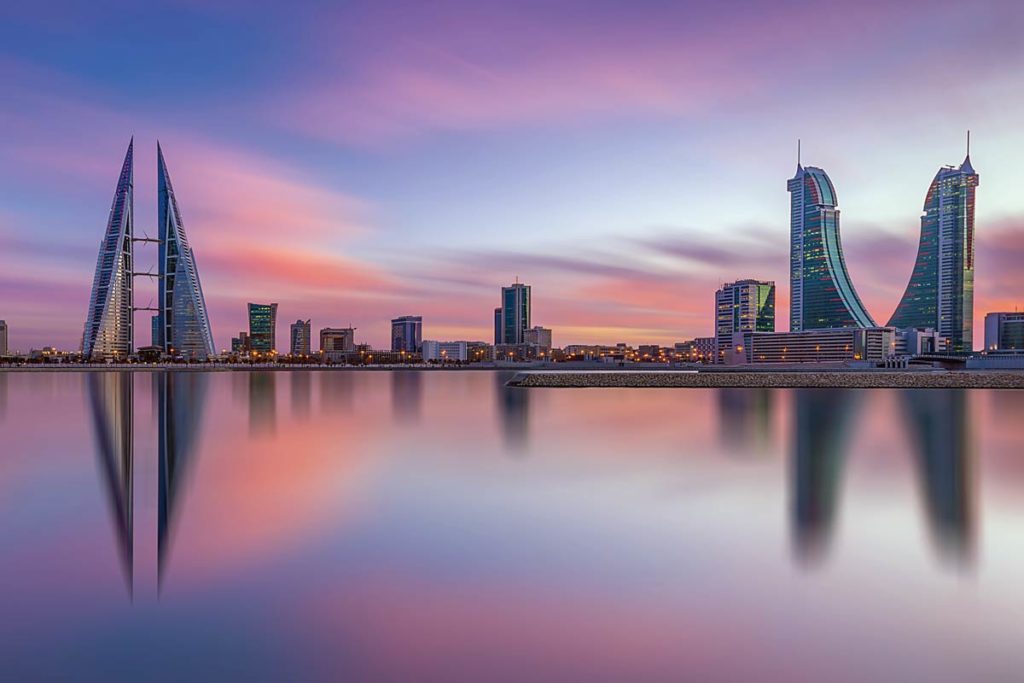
940,293
407,334
108,324
743,306
515,313
263,327
821,292
1004,331
184,323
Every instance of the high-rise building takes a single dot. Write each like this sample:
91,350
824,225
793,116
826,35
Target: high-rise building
300,338
1004,332
154,331
108,322
407,333
263,328
744,306
515,313
940,294
3,338
821,293
184,323
499,335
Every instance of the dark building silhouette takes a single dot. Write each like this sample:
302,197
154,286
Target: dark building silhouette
110,396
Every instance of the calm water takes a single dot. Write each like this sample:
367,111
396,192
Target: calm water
413,526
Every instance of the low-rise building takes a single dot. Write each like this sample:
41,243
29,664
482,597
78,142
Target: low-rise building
539,336
916,341
445,351
835,345
240,344
335,342
517,352
1004,331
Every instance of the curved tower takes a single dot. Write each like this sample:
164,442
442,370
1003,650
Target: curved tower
940,294
108,322
184,327
821,293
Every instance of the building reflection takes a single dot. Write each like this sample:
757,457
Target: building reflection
337,391
180,397
301,394
513,405
937,422
406,394
745,419
3,396
820,439
262,403
110,396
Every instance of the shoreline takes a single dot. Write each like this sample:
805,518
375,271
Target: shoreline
628,378
753,379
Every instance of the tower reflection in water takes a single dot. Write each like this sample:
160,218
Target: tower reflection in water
823,418
179,398
936,421
513,404
745,419
110,397
939,429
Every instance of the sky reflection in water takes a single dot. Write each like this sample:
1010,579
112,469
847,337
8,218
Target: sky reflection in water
441,526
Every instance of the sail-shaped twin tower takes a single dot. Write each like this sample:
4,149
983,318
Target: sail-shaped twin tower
182,326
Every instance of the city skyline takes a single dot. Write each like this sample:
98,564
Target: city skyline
589,157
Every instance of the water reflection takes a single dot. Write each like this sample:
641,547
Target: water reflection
3,396
406,394
262,403
110,404
513,407
745,419
936,422
181,397
820,439
302,394
337,391
824,422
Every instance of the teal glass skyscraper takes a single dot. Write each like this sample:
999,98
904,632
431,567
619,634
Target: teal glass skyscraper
515,313
263,328
108,322
940,294
184,324
821,293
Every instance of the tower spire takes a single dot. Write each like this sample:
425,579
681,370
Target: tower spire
967,167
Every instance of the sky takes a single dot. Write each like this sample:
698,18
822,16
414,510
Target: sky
359,161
